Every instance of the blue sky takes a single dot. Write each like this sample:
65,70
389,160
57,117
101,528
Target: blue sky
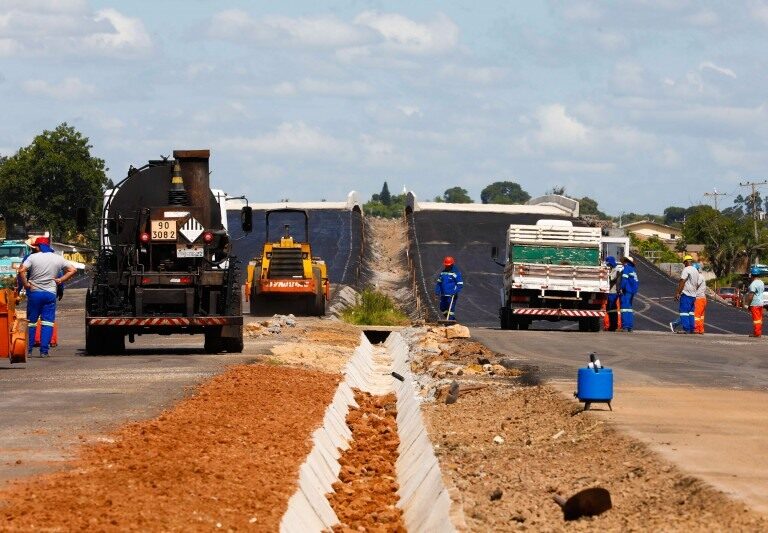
640,104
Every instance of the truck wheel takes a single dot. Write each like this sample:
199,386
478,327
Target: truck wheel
593,324
523,324
213,341
504,318
233,344
93,341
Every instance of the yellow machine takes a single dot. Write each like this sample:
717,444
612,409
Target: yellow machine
286,277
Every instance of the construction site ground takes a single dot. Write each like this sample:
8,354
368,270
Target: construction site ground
167,437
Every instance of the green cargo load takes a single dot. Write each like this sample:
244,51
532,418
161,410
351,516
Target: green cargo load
554,255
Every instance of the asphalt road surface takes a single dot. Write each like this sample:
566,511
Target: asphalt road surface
46,405
335,236
640,358
468,237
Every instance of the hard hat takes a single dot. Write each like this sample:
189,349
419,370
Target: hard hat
42,240
610,261
448,261
687,258
755,271
629,258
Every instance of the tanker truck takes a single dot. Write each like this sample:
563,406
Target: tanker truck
164,264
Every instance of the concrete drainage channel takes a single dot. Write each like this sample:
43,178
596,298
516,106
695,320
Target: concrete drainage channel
421,496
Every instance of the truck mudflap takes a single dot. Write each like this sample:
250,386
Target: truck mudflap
559,312
165,321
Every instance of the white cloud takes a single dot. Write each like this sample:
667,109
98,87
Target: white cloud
292,139
669,158
759,11
704,18
334,88
611,41
568,166
730,154
322,31
558,130
69,89
477,75
57,28
410,110
406,35
720,70
629,76
581,11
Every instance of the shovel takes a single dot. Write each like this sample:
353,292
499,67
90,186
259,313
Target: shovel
588,502
447,320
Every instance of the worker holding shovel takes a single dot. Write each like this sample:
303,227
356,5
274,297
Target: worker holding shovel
449,284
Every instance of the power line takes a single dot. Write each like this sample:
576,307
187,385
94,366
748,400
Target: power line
754,185
714,195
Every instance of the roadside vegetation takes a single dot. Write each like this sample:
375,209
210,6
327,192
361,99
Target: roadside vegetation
374,309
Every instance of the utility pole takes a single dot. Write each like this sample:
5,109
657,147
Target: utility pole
754,185
714,195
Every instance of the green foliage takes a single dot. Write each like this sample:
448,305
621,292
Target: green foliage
385,196
376,208
43,184
374,309
628,218
727,237
653,244
675,215
7,282
504,192
588,206
455,195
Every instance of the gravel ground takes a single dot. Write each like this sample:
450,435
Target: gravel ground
227,457
366,493
508,448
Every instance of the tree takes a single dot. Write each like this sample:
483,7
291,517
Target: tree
557,189
726,238
588,206
504,192
43,184
384,196
674,215
456,195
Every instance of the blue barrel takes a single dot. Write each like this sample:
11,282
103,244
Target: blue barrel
594,386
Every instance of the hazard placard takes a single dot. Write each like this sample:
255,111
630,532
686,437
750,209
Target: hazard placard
191,229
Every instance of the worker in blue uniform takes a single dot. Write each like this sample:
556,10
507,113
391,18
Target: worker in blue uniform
627,290
448,287
614,280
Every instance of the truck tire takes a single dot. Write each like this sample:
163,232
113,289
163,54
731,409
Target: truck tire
593,324
213,341
506,318
233,344
102,341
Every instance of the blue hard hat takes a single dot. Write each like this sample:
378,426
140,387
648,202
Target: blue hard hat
755,271
610,261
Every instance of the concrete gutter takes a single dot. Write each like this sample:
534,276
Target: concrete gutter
423,497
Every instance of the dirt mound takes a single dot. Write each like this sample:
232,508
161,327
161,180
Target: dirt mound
227,458
509,449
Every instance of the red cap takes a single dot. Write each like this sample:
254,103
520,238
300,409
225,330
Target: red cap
42,240
448,261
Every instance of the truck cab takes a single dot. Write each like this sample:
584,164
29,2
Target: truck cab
12,253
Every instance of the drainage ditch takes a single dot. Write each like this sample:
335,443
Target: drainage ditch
371,462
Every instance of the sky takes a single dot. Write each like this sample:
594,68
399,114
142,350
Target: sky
639,104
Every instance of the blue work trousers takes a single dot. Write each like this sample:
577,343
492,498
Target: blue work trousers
41,305
687,320
627,313
445,304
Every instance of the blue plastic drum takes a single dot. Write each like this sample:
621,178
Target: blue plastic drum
594,386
